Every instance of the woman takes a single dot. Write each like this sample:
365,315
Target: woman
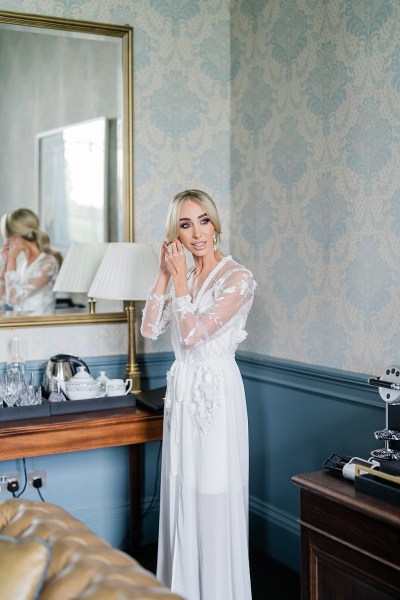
203,538
29,265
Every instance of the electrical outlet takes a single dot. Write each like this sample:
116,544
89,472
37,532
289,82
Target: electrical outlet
34,475
5,478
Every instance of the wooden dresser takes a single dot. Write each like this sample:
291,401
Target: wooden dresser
350,542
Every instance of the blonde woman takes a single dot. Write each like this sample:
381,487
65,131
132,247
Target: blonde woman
203,536
29,265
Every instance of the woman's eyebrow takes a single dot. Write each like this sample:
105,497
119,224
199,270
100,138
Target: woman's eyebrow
187,218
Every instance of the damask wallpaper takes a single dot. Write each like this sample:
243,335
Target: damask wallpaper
286,111
314,177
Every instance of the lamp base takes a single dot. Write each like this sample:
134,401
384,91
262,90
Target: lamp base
132,372
92,305
132,369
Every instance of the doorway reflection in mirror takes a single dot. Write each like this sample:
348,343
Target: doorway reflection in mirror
75,177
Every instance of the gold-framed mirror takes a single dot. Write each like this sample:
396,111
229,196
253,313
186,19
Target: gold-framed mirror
58,74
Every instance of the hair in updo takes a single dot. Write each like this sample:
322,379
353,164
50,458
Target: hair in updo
174,210
25,223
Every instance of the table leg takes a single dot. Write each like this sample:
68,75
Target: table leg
135,490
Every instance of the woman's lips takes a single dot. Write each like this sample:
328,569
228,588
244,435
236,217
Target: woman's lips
199,245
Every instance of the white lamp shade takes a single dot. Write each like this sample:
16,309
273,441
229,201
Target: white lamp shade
79,267
127,272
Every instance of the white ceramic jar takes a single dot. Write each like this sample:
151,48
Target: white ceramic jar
82,386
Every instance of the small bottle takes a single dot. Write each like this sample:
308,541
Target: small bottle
16,362
102,380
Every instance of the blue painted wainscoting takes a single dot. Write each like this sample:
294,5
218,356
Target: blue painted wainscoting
298,415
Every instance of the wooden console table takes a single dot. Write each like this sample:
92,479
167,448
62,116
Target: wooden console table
87,431
349,541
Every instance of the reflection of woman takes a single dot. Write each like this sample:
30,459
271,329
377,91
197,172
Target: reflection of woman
203,538
29,265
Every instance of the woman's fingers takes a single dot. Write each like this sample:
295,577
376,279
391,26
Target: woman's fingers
175,247
163,253
175,258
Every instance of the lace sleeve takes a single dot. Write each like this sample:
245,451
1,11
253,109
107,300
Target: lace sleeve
231,295
156,315
20,286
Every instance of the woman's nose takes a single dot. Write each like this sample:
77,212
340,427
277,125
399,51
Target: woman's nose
196,232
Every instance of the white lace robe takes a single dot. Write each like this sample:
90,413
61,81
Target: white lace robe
203,537
29,289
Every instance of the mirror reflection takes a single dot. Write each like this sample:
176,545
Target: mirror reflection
29,265
77,177
64,121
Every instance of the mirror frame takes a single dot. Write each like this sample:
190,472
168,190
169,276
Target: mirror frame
125,32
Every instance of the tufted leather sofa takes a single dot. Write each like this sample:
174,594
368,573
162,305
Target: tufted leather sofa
52,556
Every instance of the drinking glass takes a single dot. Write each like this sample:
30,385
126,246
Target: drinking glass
32,396
29,393
14,383
2,389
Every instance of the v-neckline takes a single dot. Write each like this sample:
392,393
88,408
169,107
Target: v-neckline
207,279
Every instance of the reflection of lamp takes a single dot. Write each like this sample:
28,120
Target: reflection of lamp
127,272
78,269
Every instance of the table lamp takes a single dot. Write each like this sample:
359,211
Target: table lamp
127,272
79,268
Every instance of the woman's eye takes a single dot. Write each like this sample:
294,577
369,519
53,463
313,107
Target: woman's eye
205,221
185,225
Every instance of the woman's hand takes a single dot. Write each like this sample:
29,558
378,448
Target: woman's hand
16,245
175,259
4,253
10,251
4,249
163,277
172,264
163,267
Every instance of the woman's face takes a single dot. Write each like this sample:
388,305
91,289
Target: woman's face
195,229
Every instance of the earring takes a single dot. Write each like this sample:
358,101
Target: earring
215,241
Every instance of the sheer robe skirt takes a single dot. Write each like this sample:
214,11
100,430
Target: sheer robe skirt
203,536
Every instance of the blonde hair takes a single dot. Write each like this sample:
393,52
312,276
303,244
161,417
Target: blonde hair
25,223
174,211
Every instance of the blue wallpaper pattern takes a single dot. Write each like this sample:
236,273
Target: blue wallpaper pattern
322,161
287,112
